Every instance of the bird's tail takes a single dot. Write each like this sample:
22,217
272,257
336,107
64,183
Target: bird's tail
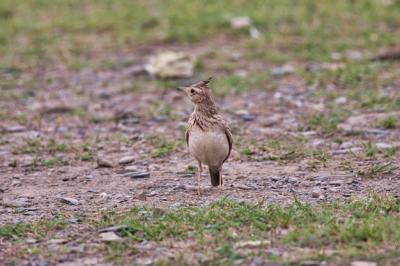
215,175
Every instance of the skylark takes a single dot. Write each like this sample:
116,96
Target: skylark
208,135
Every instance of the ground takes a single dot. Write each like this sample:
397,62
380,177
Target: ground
313,177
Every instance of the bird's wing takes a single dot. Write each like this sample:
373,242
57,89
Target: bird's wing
187,136
230,141
228,134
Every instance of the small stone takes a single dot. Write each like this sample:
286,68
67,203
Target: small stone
292,180
137,174
254,33
14,129
70,201
171,65
248,117
101,162
273,252
18,203
258,261
42,263
364,263
321,178
74,220
115,228
310,263
283,70
317,142
384,146
347,145
30,241
355,55
252,244
131,168
275,178
316,193
336,182
160,118
126,160
341,100
109,237
240,22
57,241
345,151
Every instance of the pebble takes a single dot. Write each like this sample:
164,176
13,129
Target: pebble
126,160
15,129
347,145
57,241
138,174
354,54
42,263
315,193
18,203
101,162
275,178
109,237
240,22
310,263
114,228
345,151
70,201
321,178
248,117
283,70
273,252
252,244
336,182
384,146
317,142
74,220
364,263
258,261
30,241
341,100
254,33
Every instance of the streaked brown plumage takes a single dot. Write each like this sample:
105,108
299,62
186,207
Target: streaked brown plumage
208,135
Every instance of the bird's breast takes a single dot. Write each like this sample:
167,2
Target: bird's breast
210,147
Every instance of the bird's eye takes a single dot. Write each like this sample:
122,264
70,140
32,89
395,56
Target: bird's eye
192,91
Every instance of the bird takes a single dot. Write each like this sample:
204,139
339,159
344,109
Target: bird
208,135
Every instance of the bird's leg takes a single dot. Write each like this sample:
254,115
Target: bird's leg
198,179
220,179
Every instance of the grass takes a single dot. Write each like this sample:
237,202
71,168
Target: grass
363,226
354,229
74,31
377,170
162,146
41,230
325,122
282,149
389,122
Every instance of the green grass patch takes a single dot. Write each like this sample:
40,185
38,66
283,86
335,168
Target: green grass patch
43,229
325,122
72,31
377,170
389,122
364,226
162,146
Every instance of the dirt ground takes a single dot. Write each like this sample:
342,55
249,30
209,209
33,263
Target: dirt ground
100,113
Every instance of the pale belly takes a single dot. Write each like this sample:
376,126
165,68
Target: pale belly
211,148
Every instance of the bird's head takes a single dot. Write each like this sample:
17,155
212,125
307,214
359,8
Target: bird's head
199,92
